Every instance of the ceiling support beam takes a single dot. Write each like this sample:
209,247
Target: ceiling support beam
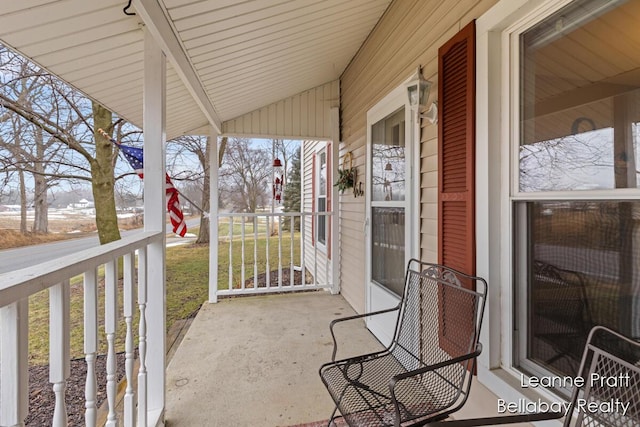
159,27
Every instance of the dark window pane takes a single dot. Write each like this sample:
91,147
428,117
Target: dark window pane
387,241
583,269
322,221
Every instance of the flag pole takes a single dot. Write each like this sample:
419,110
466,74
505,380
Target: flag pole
193,204
206,214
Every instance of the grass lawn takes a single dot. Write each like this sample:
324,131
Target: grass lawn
187,288
187,270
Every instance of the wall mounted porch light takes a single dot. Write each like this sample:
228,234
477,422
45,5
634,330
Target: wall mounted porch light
418,89
432,113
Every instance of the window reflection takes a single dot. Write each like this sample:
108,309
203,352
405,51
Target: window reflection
577,259
579,99
387,241
387,160
584,270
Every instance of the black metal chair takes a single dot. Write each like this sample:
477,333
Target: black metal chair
561,317
425,373
610,395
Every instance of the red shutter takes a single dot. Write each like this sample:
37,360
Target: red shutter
456,181
456,151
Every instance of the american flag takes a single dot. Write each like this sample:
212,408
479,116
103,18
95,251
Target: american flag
135,158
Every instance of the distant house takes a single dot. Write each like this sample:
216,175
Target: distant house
82,204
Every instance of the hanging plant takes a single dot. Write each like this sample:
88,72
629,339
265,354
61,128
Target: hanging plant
346,175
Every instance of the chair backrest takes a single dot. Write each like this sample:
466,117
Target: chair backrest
610,395
561,295
440,317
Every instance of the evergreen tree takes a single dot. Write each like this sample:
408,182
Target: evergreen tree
292,191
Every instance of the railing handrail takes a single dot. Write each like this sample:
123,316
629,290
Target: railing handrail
269,214
18,284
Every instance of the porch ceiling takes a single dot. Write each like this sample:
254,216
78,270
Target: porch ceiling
228,58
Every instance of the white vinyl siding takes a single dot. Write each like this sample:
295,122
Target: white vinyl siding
409,33
304,115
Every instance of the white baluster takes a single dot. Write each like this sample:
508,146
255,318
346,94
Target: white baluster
255,252
128,298
230,252
302,248
326,255
142,333
291,230
90,344
110,324
14,369
268,267
279,252
315,254
59,340
242,236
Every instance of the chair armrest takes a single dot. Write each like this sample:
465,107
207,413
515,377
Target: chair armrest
403,376
357,316
429,368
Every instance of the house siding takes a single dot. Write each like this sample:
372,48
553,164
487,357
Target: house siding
316,262
302,116
409,34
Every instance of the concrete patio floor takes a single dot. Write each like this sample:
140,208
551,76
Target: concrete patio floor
254,361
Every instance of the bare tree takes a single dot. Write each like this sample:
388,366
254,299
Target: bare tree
67,143
28,148
180,154
244,175
563,163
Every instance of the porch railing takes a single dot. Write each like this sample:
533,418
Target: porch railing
140,406
273,252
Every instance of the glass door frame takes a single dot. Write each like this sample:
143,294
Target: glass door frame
378,297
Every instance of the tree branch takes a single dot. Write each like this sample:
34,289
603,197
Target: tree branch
45,124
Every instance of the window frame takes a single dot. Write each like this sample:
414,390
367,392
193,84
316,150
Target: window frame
321,241
517,200
495,197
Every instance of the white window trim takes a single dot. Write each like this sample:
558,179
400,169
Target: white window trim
321,148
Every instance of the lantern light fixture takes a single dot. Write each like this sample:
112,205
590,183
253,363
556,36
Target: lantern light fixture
418,89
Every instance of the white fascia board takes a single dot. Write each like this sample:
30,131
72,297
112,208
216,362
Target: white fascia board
159,27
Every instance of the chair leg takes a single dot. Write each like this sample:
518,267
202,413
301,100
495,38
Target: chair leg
332,417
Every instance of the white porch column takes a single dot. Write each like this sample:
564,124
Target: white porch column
14,363
213,216
155,220
335,201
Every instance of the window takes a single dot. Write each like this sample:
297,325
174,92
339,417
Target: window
388,187
321,197
574,197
